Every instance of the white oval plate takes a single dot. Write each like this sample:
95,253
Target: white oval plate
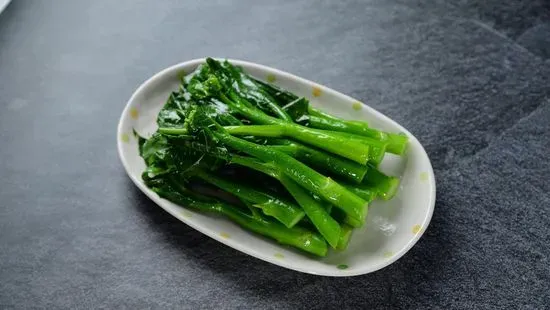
392,227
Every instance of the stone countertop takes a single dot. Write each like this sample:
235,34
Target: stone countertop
469,80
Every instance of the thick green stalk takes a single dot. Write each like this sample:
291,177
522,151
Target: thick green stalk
336,165
396,144
297,237
353,150
255,164
347,169
253,210
322,120
315,211
172,131
385,186
345,237
324,187
273,131
369,194
285,212
316,112
377,148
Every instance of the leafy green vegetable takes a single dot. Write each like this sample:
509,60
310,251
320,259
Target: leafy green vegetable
301,112
284,211
316,212
385,186
345,237
213,87
227,144
297,237
322,161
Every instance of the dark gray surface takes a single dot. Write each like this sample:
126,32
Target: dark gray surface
75,233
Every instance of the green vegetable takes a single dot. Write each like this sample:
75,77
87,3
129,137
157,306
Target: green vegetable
385,186
367,193
261,156
316,212
326,188
284,211
327,141
345,237
297,237
303,113
322,161
215,87
244,87
319,159
396,144
310,179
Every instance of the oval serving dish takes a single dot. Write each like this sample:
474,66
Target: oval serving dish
392,227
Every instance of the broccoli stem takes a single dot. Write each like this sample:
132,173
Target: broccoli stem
273,131
349,170
285,212
396,144
296,236
343,219
172,131
385,186
350,149
253,210
378,148
345,237
322,186
369,194
336,122
257,165
317,213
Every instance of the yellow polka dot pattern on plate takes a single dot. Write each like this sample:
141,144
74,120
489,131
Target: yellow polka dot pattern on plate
271,78
357,106
388,254
342,266
416,229
125,138
424,176
134,113
316,92
279,255
225,235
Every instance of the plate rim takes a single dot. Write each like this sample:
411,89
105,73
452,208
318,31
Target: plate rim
4,5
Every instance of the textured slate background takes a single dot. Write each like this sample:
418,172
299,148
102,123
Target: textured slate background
469,79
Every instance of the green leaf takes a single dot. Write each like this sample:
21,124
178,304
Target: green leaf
247,88
141,141
298,110
173,112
